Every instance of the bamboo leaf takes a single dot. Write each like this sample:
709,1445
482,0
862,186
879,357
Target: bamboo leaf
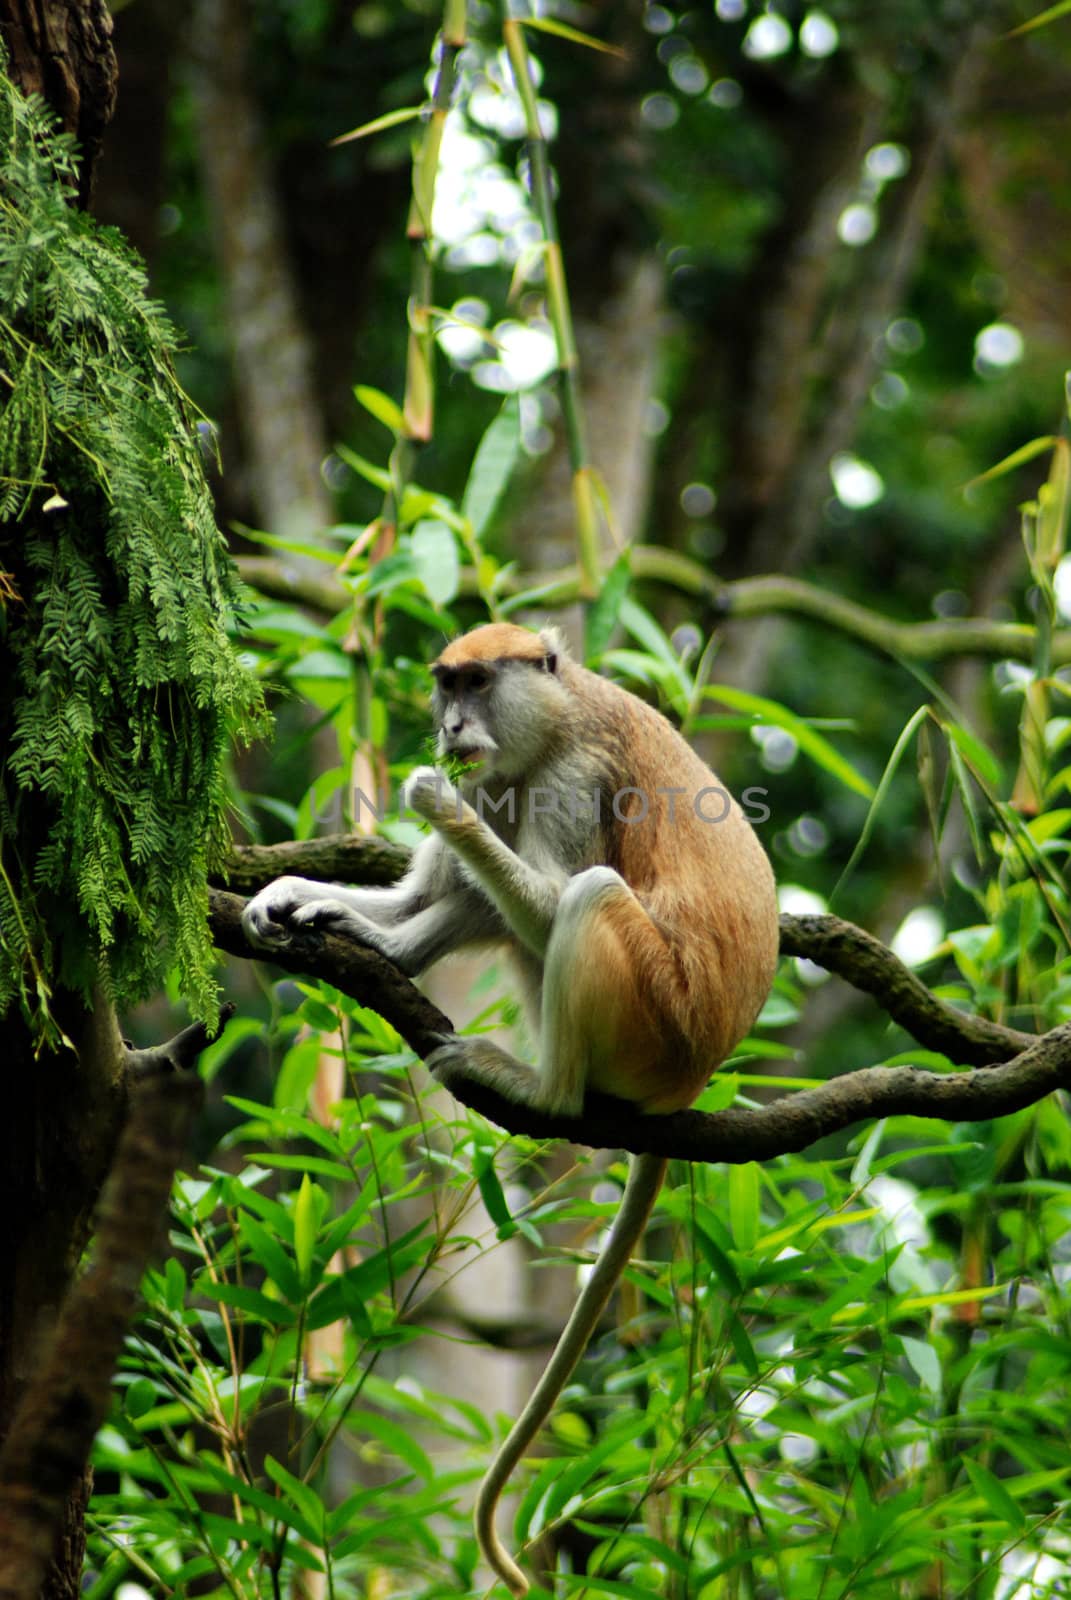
1018,458
307,1500
378,476
491,1193
492,467
434,551
400,1441
744,1204
602,617
993,1492
305,1230
821,752
880,794
390,119
267,1250
380,406
562,30
924,1361
276,1313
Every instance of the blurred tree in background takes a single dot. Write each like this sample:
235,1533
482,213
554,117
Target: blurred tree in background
817,267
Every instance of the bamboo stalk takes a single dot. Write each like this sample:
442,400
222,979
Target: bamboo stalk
1045,538
418,401
585,503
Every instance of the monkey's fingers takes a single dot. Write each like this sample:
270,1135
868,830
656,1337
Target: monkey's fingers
429,792
264,928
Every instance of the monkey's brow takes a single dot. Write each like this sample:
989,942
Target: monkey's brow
440,670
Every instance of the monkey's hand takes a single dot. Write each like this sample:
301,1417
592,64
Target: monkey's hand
267,917
429,792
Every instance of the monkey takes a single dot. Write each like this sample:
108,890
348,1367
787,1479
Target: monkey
586,836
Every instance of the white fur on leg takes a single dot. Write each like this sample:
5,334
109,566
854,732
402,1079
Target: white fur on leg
564,1048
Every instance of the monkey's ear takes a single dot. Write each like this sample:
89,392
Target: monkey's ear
554,644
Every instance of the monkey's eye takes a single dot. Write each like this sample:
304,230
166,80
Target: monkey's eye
479,680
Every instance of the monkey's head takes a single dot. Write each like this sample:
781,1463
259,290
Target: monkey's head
499,700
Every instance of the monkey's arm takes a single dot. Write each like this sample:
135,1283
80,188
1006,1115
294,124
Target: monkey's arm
526,897
431,876
459,920
267,914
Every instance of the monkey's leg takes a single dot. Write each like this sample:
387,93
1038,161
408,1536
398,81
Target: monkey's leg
575,1033
596,910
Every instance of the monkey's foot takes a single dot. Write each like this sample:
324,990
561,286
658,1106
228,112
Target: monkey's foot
467,1061
266,917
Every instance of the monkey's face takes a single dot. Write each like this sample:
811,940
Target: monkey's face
497,716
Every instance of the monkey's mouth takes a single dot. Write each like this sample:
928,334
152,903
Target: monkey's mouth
474,755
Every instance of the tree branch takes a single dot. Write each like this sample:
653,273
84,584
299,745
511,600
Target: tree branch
746,597
334,858
870,966
1039,1064
280,579
793,1121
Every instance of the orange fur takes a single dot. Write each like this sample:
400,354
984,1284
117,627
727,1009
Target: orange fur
496,641
671,977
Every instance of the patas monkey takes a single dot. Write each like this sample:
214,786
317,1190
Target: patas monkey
592,841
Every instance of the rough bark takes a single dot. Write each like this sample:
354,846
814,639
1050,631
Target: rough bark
62,50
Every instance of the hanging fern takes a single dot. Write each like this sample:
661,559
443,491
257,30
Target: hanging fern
119,689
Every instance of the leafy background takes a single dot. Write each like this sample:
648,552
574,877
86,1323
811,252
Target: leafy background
825,249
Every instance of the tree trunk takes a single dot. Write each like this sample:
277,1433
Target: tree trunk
62,50
283,425
62,1111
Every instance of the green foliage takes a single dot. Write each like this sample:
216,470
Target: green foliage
839,1375
812,1398
120,690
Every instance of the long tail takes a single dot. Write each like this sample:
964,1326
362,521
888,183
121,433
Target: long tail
641,1190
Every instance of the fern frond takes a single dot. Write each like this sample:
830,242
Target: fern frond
120,692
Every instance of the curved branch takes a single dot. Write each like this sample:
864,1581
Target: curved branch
746,597
789,1123
279,579
828,941
869,965
793,1121
180,1053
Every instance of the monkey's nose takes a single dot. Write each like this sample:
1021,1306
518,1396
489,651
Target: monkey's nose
454,725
